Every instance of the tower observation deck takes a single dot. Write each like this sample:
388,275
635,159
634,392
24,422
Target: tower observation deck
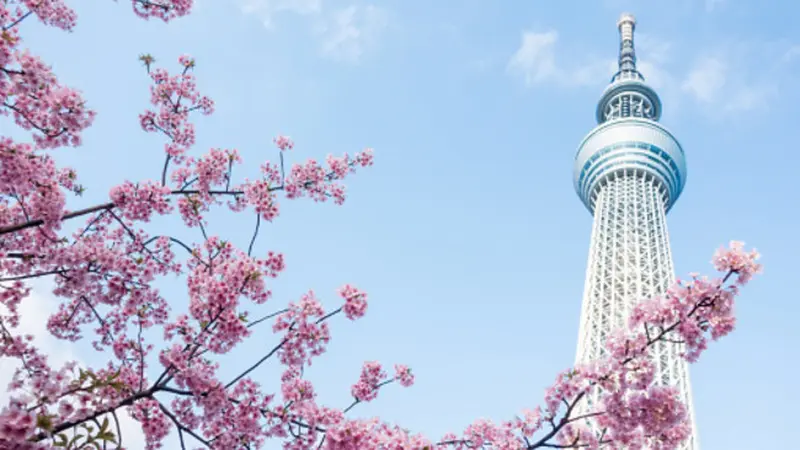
629,171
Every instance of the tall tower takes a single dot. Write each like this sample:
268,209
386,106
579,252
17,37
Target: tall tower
629,171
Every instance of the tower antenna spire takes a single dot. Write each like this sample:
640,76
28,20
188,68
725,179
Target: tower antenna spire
627,53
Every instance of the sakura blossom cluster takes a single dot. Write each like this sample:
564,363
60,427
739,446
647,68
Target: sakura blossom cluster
175,96
320,183
105,273
633,411
53,114
283,143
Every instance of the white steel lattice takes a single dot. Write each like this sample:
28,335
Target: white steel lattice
629,260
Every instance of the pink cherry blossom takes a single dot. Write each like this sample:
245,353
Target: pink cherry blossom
372,375
402,373
283,143
355,302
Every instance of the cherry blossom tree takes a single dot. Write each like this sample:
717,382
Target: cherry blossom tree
104,273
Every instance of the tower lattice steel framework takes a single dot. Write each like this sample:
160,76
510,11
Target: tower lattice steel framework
629,171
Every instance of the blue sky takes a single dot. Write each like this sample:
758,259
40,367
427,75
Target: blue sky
467,233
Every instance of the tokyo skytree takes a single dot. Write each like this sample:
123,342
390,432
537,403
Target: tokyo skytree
629,171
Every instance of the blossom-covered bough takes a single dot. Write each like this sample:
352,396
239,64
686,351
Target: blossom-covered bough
104,275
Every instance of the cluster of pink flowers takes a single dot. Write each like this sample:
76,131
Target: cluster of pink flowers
305,335
212,169
16,424
140,201
372,375
313,180
262,197
736,260
355,302
33,178
284,143
402,374
175,96
55,114
633,411
372,435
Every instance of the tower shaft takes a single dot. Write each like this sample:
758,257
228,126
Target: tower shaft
629,260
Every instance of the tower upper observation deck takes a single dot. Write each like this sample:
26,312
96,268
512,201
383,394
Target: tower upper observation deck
629,140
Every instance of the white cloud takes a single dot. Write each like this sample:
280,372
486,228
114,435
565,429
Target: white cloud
353,31
653,57
712,4
717,83
749,98
34,311
714,83
706,80
653,48
267,9
655,74
535,61
791,54
594,71
345,34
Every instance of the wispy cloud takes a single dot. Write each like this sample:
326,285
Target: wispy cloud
653,58
750,98
727,78
535,58
535,62
351,32
267,9
345,34
720,82
711,5
718,85
706,80
791,54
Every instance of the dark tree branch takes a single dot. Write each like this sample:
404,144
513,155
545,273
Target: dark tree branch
255,234
38,222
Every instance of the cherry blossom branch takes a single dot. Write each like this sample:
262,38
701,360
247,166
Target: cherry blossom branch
258,363
276,348
356,401
267,317
71,215
32,275
73,423
565,420
165,376
100,319
119,431
253,324
255,234
180,427
38,127
164,170
707,300
18,21
107,206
